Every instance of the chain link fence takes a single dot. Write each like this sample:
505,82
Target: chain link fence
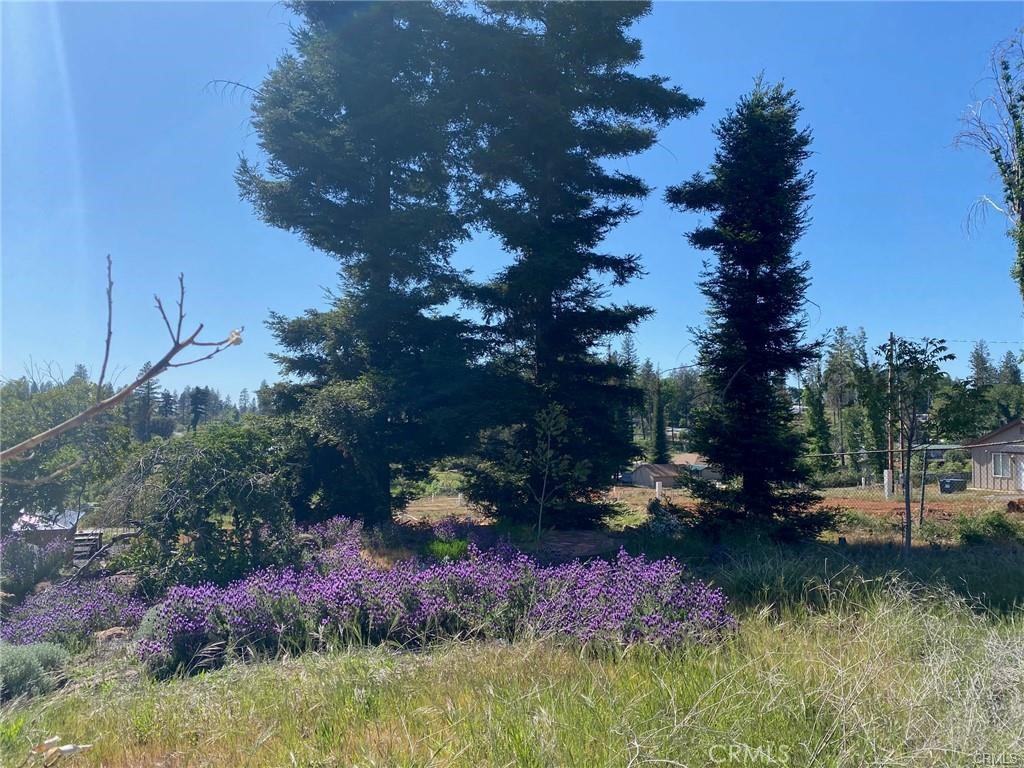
944,484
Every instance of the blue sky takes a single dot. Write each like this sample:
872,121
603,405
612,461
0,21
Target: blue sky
112,144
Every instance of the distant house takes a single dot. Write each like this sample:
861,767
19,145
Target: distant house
42,529
937,451
997,459
697,465
647,475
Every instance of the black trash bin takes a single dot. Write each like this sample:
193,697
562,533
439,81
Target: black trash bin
952,485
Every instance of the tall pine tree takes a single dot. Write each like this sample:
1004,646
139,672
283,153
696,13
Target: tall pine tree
1009,370
983,371
556,103
819,432
358,127
757,192
658,449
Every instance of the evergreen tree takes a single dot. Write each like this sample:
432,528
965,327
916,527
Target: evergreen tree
359,125
1009,370
198,406
144,403
264,398
628,356
658,449
184,407
688,396
757,193
818,429
556,102
646,380
838,380
167,406
983,372
870,382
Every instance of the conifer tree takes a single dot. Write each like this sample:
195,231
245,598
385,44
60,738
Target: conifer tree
358,125
658,450
819,431
1009,370
757,192
556,101
983,372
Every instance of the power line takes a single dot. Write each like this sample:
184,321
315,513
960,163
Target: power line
986,341
915,448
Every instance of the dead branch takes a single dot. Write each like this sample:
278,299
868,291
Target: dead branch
110,328
178,345
231,87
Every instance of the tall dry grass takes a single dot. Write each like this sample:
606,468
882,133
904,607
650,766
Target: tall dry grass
866,674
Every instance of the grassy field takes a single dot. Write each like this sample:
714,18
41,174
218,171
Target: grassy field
865,674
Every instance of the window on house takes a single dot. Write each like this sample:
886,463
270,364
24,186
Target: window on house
1001,464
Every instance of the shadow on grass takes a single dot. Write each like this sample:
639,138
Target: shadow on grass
758,572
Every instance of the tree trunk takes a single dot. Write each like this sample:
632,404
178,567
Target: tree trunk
378,512
924,484
908,516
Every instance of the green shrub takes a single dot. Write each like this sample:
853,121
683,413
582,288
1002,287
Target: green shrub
991,527
213,507
844,477
456,549
23,564
30,670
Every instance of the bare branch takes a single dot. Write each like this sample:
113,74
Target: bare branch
222,87
198,359
181,305
978,213
163,314
167,361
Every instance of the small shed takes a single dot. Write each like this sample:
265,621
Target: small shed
997,459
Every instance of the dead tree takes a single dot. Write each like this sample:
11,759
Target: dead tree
994,124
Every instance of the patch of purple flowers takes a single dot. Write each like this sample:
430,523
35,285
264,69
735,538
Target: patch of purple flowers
493,594
70,613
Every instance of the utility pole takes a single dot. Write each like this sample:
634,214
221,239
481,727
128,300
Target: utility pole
888,480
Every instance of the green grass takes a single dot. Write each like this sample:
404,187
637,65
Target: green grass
456,549
883,676
846,655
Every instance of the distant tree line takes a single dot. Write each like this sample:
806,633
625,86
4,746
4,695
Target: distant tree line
75,469
845,396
